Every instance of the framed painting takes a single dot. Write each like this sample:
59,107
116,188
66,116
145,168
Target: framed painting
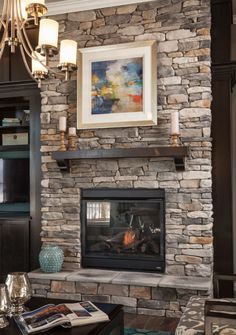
117,85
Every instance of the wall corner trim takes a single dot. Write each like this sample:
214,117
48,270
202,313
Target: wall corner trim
70,6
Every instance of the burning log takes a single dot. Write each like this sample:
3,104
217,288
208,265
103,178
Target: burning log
130,241
129,237
118,238
100,246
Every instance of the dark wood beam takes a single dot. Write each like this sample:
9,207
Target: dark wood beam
178,153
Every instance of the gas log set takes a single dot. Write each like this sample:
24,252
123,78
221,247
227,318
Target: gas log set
123,229
137,235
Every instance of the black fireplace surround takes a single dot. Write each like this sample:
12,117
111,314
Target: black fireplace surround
123,229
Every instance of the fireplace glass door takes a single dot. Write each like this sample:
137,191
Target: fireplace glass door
123,232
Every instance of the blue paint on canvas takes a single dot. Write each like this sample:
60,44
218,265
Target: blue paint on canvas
117,86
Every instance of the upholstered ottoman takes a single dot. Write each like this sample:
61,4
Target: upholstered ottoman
192,321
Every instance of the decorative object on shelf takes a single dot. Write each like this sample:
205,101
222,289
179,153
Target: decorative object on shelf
174,131
15,139
51,258
26,117
72,138
19,291
16,15
62,129
10,121
4,305
117,85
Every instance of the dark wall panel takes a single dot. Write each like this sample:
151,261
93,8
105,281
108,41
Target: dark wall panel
222,192
221,12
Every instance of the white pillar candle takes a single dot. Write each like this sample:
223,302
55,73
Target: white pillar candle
174,123
62,123
72,131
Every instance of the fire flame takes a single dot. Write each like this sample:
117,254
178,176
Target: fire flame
129,237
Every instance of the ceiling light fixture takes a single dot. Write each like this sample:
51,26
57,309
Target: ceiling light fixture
16,15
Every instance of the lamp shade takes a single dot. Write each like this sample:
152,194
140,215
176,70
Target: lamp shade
30,2
68,52
36,65
48,33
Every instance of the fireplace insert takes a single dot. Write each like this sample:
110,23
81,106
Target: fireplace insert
123,229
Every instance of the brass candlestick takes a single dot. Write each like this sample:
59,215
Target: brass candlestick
175,140
71,141
62,140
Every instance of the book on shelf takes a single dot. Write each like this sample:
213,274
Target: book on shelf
67,315
7,121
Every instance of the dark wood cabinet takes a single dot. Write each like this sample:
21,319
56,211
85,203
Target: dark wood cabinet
223,82
14,245
222,16
20,228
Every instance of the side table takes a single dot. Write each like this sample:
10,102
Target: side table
113,327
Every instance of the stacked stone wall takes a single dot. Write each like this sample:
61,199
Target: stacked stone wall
140,299
182,30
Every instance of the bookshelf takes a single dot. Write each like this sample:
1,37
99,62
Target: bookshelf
19,151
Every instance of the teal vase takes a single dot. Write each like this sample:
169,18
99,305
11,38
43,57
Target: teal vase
51,258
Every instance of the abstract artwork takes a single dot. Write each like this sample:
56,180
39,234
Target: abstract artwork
117,85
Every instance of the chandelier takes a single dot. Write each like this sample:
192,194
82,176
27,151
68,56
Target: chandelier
16,16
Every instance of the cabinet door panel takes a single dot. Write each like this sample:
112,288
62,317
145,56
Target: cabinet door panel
14,240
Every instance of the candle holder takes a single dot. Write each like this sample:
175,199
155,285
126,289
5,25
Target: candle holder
62,140
19,290
4,306
175,140
71,141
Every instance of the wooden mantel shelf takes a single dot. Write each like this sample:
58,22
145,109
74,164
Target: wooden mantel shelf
63,158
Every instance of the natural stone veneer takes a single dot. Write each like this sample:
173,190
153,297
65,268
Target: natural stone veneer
140,293
182,29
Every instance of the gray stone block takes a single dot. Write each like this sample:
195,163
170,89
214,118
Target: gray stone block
164,294
152,312
153,304
196,283
126,301
65,296
137,278
96,298
93,276
39,275
112,289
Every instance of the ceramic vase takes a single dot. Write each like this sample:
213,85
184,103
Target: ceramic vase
51,258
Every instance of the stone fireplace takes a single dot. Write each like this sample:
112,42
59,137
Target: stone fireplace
184,84
182,30
123,229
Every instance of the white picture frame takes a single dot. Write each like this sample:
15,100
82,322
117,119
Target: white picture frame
110,105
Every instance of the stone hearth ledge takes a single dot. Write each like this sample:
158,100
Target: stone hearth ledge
127,278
